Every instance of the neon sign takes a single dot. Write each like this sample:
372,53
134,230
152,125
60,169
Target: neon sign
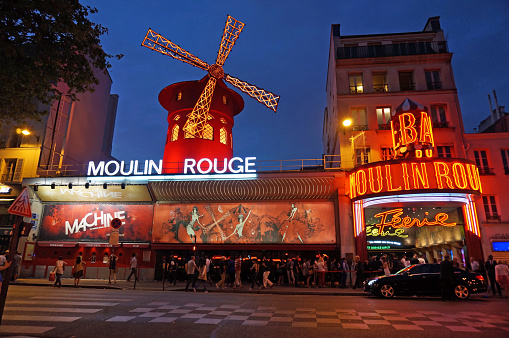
212,165
420,174
407,222
5,189
373,231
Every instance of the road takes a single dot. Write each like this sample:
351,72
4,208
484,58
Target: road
68,312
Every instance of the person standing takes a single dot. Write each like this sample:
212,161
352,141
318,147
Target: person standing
289,271
207,264
238,269
59,271
2,268
305,275
222,273
202,275
385,266
502,276
255,269
446,278
79,267
474,265
190,267
113,268
16,262
134,266
321,272
490,270
266,273
359,272
172,271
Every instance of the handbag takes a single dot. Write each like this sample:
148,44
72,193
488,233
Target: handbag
51,276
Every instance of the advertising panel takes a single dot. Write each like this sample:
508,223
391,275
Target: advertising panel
91,222
247,223
95,193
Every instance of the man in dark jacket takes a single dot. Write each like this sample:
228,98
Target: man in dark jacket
447,278
490,270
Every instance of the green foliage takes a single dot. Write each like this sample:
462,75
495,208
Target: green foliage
42,43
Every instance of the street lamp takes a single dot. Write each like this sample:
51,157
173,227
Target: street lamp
346,123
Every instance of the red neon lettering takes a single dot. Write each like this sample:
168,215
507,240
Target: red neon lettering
378,179
442,173
388,176
420,175
426,132
362,184
395,144
407,130
459,174
407,222
352,186
405,176
473,177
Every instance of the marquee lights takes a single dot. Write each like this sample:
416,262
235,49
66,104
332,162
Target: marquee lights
392,176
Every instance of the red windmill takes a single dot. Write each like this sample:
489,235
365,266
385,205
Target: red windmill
199,125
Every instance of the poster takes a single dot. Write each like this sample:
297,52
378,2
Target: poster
245,223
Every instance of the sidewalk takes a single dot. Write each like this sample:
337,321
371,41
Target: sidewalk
180,287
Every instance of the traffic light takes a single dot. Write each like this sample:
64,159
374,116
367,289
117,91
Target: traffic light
25,228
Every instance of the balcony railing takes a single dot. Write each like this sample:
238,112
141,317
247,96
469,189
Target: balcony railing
434,85
360,128
386,126
398,49
493,218
380,88
406,86
444,124
486,171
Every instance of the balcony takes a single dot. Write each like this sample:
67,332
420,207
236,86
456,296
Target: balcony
486,171
360,128
434,85
444,124
398,49
406,86
493,218
386,126
381,88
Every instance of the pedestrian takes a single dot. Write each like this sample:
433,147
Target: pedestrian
231,271
134,266
172,271
59,271
190,267
16,263
3,261
222,273
238,269
266,273
446,278
255,270
455,262
202,275
207,264
113,268
289,272
502,276
279,273
490,270
359,272
79,267
2,268
385,266
344,272
474,265
305,273
321,272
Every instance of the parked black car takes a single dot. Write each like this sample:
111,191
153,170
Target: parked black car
424,279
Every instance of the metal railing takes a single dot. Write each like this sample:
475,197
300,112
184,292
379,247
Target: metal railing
444,124
434,85
486,171
397,49
493,218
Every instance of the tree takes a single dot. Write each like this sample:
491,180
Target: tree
43,43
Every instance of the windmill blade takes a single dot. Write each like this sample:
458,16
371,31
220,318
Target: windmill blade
196,124
267,98
231,32
164,46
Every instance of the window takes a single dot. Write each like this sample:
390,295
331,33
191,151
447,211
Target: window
359,118
223,135
356,83
175,133
481,160
439,116
505,160
490,208
444,151
176,118
361,156
406,81
179,96
383,115
13,168
387,154
433,80
208,132
380,82
225,100
223,121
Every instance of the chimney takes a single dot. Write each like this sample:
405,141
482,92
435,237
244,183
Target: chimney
497,108
492,112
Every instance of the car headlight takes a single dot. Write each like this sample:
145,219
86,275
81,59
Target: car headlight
371,282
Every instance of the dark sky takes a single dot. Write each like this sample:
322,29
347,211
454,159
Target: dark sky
284,49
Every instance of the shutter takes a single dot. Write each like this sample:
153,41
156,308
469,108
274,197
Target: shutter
18,171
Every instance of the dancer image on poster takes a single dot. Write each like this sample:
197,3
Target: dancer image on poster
194,218
239,227
292,214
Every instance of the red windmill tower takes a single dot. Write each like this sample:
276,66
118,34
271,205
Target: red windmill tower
200,113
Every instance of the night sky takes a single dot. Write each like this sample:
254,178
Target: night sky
284,49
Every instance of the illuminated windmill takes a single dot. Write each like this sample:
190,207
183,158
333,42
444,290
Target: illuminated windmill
192,136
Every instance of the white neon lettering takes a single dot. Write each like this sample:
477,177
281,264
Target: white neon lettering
157,168
240,168
95,171
198,166
107,166
136,172
189,163
225,166
122,165
250,164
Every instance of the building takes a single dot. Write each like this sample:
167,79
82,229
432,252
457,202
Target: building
62,143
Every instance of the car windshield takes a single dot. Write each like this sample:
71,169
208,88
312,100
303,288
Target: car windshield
404,269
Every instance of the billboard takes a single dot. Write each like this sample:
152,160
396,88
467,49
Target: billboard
245,223
91,222
95,193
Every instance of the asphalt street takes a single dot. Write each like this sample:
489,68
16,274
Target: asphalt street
41,311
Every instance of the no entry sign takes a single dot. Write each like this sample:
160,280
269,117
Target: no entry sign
116,223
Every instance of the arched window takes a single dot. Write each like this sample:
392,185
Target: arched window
225,100
175,133
176,118
223,135
179,96
208,132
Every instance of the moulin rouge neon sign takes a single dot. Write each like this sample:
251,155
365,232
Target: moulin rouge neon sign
397,222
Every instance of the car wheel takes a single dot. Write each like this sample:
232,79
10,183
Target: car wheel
387,291
461,291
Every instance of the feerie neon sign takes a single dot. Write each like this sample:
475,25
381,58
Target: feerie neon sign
397,222
419,174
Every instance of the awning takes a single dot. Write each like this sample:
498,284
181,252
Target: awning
136,245
57,244
95,245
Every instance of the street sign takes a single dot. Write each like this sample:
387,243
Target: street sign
116,223
21,206
114,237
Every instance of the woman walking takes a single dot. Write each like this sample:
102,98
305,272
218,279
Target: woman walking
255,270
320,268
113,268
79,267
202,275
59,271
